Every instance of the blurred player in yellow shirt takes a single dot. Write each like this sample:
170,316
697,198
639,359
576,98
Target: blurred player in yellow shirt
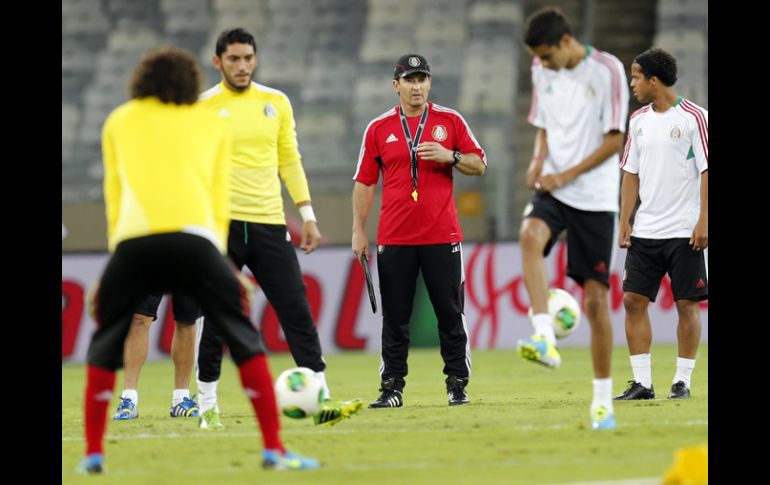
170,236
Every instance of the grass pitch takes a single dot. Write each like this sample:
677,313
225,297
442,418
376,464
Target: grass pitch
524,425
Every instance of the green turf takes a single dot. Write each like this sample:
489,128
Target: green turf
524,424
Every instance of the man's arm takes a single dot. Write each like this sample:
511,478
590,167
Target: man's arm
363,195
700,235
112,187
611,144
469,164
293,174
538,157
629,194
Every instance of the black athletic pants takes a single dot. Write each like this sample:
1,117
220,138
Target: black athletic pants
266,251
442,270
169,262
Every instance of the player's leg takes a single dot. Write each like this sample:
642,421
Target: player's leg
442,270
689,283
397,267
211,344
591,238
135,355
220,294
273,260
645,266
115,301
186,312
543,221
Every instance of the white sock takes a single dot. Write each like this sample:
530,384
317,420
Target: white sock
544,326
130,394
179,395
207,395
641,364
684,369
602,393
322,377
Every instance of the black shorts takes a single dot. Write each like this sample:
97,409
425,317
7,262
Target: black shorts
590,236
185,308
649,259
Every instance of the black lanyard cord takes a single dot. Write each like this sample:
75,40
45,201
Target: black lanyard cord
412,145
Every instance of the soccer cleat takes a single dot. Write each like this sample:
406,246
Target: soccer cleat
537,349
332,412
636,391
275,460
185,409
390,397
92,464
211,420
126,410
602,418
455,390
679,391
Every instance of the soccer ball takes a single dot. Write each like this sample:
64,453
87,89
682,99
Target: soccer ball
299,392
564,310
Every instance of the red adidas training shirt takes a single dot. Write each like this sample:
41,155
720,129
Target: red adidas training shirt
433,218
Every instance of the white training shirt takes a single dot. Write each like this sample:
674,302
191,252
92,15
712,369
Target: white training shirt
577,107
669,151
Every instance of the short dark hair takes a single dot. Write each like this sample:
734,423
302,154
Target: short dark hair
546,26
168,73
234,36
659,63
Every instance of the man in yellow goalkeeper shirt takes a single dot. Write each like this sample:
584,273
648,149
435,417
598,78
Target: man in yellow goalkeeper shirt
264,149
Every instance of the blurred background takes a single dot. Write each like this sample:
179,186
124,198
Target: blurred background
334,59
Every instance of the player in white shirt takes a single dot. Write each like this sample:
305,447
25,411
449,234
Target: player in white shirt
579,105
665,165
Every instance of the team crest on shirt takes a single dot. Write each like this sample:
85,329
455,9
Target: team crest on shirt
269,110
439,133
676,132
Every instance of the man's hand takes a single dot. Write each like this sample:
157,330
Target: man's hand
550,182
533,173
625,235
700,236
360,245
92,301
431,150
311,236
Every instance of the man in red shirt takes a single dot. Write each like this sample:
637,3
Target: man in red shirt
416,145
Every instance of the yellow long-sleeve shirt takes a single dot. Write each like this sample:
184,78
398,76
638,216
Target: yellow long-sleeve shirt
166,169
264,147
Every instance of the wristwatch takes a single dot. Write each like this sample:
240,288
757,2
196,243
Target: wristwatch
457,156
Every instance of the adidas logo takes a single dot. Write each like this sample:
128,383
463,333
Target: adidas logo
391,138
701,283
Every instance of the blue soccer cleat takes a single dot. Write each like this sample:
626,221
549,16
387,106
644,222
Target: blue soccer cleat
539,350
126,410
186,409
92,464
602,418
275,460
